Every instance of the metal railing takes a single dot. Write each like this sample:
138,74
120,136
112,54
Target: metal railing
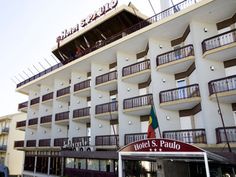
180,93
63,91
21,124
82,112
5,130
106,77
219,40
222,85
136,67
46,119
44,142
31,143
230,132
174,55
130,138
47,96
34,101
138,101
187,136
19,144
106,107
60,141
23,105
62,116
82,141
82,85
107,140
33,121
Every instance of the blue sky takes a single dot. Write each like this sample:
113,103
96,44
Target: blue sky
28,32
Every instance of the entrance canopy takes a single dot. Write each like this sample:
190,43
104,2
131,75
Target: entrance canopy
166,149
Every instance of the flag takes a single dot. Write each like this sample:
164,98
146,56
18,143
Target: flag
152,124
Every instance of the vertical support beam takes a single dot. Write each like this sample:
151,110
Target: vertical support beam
206,165
120,171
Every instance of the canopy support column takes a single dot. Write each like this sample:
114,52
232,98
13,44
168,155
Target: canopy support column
206,165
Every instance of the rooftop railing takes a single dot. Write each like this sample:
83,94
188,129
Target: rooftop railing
136,67
174,55
187,136
82,85
138,101
219,40
180,93
106,77
157,17
230,132
222,85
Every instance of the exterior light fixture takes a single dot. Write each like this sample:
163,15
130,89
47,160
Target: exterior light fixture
167,117
59,129
126,59
163,80
130,122
205,30
100,125
128,89
212,68
160,46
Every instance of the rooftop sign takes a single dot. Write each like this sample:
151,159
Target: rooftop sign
90,18
160,145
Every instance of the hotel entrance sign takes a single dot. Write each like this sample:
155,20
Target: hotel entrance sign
160,145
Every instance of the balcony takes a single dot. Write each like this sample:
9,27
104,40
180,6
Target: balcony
180,98
46,121
33,123
5,130
21,125
107,141
34,102
130,138
137,73
220,47
140,105
3,148
230,132
23,106
82,115
82,141
60,141
62,118
31,143
47,99
19,144
83,88
107,111
225,88
64,94
107,82
44,143
187,136
176,61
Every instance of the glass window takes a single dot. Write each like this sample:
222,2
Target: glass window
70,162
107,165
114,129
93,164
80,163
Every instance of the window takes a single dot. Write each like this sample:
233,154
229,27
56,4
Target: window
80,164
107,165
70,162
93,164
115,129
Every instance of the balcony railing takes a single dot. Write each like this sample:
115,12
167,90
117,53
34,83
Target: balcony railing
174,55
180,93
63,91
187,136
222,85
44,142
81,112
46,119
107,140
82,141
18,144
34,101
82,85
33,121
138,101
136,67
60,141
219,40
62,116
48,96
157,17
5,130
23,105
31,143
130,138
107,107
230,132
3,147
106,77
21,124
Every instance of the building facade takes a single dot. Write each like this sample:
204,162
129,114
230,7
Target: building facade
10,157
98,99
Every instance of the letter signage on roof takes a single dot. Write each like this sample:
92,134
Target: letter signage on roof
160,145
90,18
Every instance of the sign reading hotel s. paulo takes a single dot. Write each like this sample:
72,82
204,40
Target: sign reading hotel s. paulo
159,145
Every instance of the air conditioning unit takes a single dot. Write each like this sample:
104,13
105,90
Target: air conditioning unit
90,148
81,148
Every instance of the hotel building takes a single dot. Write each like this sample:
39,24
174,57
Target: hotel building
98,98
9,156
